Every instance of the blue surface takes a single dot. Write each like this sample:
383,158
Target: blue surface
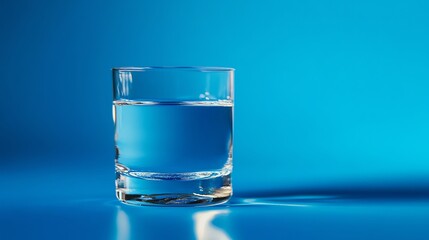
104,219
331,100
36,204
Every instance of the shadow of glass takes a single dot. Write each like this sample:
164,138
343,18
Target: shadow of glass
335,194
270,209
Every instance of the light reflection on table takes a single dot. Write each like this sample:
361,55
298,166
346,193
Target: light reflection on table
73,208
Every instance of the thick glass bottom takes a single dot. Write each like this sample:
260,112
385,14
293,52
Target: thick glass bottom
173,189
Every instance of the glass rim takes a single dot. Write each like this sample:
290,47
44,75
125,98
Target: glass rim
180,68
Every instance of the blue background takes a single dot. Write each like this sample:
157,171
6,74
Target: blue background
331,96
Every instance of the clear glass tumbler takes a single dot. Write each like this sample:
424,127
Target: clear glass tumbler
173,134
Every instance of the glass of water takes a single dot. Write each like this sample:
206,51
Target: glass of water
173,134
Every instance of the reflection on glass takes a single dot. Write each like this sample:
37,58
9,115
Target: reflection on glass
204,228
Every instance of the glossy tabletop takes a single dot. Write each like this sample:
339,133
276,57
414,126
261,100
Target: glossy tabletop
77,202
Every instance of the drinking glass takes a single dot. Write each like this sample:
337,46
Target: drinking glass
173,134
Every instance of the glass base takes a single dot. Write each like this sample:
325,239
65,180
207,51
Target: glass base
173,189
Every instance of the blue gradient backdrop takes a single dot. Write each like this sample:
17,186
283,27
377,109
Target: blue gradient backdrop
328,93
